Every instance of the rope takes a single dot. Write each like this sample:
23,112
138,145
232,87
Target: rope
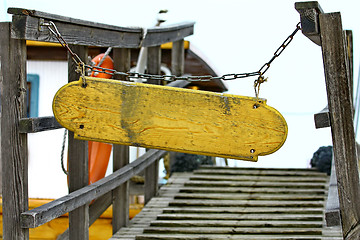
62,153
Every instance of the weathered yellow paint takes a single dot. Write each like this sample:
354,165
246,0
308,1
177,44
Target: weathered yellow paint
169,118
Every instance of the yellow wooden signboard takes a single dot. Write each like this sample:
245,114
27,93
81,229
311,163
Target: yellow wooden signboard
169,118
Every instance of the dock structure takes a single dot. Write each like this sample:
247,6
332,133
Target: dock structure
211,203
236,203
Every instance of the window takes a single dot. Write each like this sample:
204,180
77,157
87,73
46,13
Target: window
32,95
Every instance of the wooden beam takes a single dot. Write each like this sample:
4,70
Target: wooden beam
39,124
152,172
78,165
27,25
95,210
177,58
342,126
14,153
322,119
45,213
332,209
171,33
309,17
120,195
350,58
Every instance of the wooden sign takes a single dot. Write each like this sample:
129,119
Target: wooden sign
173,119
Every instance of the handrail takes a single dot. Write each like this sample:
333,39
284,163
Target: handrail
27,25
47,212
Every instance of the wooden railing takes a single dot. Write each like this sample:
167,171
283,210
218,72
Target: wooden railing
113,189
325,29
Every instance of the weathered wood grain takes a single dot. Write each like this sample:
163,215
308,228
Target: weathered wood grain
27,22
56,208
250,196
260,172
243,210
236,223
169,118
309,17
249,189
233,230
78,170
14,155
332,210
341,116
177,58
322,119
39,124
288,185
197,217
215,177
121,156
152,172
155,236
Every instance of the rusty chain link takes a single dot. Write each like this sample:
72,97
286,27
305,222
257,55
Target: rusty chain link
135,75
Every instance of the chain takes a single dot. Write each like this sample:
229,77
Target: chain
82,67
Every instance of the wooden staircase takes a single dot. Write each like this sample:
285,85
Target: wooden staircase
236,203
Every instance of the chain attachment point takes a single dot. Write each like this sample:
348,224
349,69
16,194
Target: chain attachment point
257,84
82,67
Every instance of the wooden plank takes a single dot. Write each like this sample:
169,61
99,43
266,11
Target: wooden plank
288,185
14,155
332,210
350,58
215,168
224,237
243,203
342,127
169,118
245,178
263,190
322,119
58,207
156,236
249,196
39,124
233,230
27,22
163,34
121,155
95,210
260,172
238,217
309,17
177,58
120,194
244,210
235,223
152,172
78,165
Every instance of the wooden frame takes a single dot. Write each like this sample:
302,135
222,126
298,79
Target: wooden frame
327,28
26,25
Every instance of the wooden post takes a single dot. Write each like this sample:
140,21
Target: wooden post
121,155
350,58
13,143
341,118
177,58
152,172
78,164
177,69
